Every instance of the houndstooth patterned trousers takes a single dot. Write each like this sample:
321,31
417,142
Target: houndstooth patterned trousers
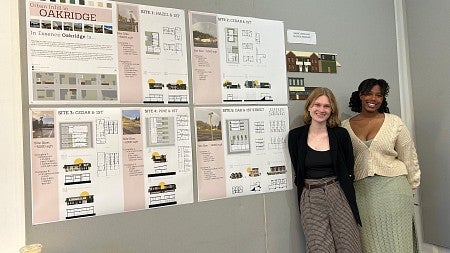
327,220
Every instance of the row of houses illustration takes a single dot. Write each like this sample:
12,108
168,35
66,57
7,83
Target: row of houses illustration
247,84
298,61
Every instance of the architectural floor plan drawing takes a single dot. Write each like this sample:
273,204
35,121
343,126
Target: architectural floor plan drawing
164,59
242,151
237,60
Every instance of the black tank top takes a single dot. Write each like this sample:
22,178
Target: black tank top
318,164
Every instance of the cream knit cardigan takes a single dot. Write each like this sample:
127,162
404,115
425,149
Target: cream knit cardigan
391,153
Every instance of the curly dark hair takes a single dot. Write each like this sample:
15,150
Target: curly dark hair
364,87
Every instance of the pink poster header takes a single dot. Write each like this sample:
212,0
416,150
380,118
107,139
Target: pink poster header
70,12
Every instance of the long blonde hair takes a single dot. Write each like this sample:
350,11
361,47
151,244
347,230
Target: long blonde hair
333,120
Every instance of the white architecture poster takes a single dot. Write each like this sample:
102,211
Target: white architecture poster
72,52
152,54
237,60
105,52
167,156
242,151
96,161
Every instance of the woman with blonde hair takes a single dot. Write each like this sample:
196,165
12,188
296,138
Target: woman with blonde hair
322,157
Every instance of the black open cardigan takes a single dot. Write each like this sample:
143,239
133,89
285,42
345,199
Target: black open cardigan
341,155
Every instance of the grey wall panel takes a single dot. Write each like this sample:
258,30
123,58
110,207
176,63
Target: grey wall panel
361,32
429,33
283,229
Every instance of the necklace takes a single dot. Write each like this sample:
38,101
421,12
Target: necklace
319,141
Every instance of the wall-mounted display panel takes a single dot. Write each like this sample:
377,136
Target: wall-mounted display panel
242,151
96,161
105,52
237,59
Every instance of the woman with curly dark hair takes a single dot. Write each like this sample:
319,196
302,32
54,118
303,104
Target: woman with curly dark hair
386,171
364,88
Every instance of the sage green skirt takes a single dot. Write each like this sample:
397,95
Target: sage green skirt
386,208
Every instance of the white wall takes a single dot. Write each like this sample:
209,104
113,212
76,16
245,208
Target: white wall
406,97
12,213
428,36
12,210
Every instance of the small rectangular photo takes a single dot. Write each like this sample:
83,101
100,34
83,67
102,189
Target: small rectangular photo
87,79
68,94
127,18
68,26
35,23
109,95
98,28
108,29
88,28
78,27
57,25
131,121
208,124
108,79
204,30
45,95
89,95
67,78
46,24
43,124
44,78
